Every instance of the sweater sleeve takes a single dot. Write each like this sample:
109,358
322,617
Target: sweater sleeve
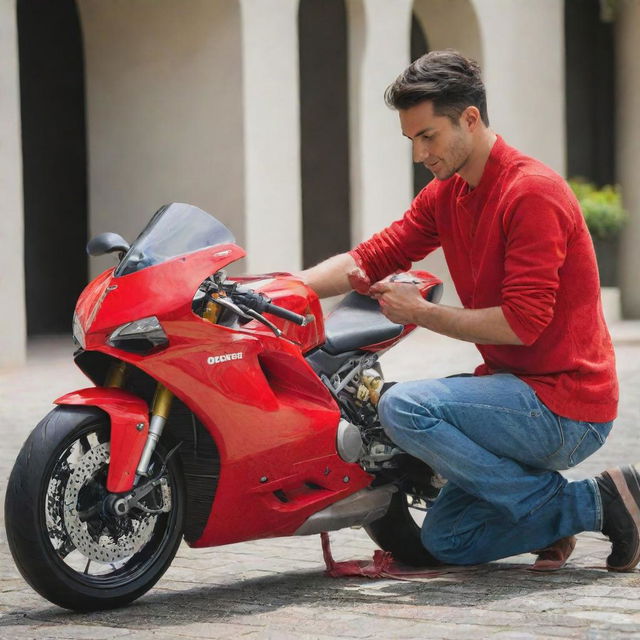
403,242
537,226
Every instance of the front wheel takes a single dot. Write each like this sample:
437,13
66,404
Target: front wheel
65,541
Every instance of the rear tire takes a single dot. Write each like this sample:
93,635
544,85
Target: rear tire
67,547
398,532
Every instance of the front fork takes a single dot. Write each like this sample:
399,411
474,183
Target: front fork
160,409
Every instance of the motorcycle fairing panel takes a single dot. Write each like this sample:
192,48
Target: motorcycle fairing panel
129,417
266,394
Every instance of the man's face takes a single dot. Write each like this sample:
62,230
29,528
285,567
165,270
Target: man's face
440,145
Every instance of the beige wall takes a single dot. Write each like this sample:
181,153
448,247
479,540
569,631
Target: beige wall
523,46
628,151
12,320
164,111
271,114
380,156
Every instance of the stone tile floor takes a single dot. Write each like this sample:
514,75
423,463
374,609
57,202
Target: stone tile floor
276,588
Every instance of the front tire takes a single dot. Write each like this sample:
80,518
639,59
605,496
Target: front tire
67,546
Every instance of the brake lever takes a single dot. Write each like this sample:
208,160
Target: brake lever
225,302
263,320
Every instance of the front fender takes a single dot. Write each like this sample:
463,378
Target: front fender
129,416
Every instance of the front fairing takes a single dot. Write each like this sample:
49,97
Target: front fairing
164,290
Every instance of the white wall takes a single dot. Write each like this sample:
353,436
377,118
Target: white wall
523,45
13,318
164,111
381,176
271,114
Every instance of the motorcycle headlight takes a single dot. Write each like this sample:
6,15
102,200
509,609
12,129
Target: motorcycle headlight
140,336
78,332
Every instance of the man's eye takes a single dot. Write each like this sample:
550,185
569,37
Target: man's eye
426,137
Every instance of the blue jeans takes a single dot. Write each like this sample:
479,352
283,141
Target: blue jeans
500,448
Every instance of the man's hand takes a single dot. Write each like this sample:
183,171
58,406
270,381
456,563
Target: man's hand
401,302
359,281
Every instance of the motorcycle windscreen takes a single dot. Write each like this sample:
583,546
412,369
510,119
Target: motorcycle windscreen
174,230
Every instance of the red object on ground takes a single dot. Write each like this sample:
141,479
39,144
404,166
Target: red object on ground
382,565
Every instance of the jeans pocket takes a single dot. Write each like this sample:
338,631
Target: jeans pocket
593,438
580,440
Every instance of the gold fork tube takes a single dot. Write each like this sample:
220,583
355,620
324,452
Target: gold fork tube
116,374
160,412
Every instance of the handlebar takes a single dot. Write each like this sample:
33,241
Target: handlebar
261,304
285,314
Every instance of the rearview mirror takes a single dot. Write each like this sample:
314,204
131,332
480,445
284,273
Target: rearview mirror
107,243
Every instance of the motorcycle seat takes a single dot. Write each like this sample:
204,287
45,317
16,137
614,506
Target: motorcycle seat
355,323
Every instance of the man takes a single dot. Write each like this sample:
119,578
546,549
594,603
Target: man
523,265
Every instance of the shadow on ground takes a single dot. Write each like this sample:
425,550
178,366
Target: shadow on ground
472,587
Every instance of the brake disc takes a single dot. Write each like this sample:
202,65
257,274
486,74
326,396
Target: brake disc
101,545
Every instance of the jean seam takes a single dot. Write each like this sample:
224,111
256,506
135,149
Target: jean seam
598,503
531,413
572,454
596,433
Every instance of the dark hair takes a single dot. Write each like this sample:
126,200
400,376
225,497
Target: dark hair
451,81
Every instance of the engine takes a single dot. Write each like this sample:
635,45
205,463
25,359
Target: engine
357,386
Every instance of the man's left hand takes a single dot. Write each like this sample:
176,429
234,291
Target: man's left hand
401,302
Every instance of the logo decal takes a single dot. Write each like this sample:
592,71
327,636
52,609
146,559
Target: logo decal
225,357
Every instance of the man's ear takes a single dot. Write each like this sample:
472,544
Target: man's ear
471,118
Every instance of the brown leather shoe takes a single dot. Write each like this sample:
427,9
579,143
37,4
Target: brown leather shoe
620,493
554,556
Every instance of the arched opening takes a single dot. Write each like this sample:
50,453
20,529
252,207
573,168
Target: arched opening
54,161
589,91
324,129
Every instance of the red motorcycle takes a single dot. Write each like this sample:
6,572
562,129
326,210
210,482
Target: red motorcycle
224,409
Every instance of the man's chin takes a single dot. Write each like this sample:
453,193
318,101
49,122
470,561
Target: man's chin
440,174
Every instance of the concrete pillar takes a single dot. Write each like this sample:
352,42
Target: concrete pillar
381,177
13,327
271,115
164,111
628,149
523,45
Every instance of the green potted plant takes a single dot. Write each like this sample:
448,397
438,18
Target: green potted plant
605,217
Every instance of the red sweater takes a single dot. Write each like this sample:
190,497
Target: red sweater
518,241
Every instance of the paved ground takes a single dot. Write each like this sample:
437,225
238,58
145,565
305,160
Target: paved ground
276,588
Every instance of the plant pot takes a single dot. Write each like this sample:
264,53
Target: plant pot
607,258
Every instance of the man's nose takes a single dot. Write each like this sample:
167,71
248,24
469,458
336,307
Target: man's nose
420,151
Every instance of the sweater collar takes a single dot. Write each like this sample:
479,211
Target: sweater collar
492,170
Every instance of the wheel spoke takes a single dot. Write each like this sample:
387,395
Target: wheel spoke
86,569
65,549
84,443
